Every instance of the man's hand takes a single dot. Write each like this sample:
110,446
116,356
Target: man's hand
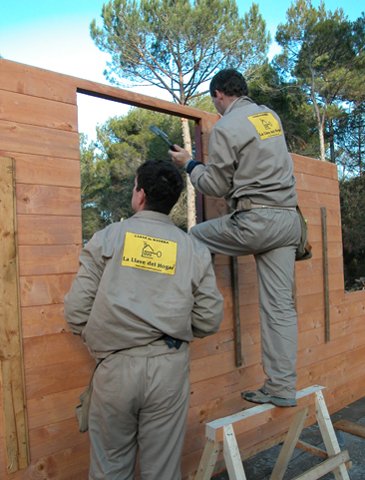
180,157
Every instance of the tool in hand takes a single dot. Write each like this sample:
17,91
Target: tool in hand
160,133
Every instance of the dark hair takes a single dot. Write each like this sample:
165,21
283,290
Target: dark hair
230,82
162,184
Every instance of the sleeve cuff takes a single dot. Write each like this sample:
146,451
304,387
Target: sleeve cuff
191,164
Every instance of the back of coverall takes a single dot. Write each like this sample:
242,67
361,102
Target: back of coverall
140,279
250,166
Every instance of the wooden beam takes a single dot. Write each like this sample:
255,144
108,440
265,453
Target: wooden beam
327,332
11,356
214,429
236,311
325,467
350,427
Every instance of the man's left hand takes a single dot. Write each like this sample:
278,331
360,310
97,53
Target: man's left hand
180,157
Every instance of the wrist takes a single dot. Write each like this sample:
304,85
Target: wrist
186,164
190,165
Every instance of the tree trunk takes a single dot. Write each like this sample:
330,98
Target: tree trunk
320,123
320,120
190,193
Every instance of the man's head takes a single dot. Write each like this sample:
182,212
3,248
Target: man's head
225,87
157,187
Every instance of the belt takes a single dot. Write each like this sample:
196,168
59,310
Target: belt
172,342
246,204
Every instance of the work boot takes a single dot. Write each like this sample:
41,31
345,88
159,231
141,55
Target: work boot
261,396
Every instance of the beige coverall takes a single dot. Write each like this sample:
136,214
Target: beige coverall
249,164
140,279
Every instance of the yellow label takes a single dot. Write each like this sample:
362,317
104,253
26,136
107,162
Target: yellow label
149,253
266,125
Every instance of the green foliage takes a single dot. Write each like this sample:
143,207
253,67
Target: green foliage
108,167
353,229
178,45
350,138
323,54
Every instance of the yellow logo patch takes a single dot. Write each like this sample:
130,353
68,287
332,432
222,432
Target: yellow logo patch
266,125
149,253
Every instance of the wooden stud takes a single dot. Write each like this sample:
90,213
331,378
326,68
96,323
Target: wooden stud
350,427
325,467
288,447
329,435
327,336
236,311
232,455
11,354
208,460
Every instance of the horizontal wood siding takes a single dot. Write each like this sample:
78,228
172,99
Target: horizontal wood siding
38,130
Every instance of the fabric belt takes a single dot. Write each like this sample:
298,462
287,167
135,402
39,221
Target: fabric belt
245,204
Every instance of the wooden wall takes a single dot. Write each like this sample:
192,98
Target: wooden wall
44,368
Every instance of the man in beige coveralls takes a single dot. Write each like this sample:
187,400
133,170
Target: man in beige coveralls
144,290
249,165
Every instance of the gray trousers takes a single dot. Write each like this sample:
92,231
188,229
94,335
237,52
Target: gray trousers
139,403
271,235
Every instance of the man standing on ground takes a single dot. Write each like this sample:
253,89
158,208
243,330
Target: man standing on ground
249,165
144,289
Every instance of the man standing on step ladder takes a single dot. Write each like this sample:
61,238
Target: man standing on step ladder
250,166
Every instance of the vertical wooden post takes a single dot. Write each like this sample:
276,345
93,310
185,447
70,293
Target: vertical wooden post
327,333
236,310
11,358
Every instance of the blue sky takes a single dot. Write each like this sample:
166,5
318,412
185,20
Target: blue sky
54,34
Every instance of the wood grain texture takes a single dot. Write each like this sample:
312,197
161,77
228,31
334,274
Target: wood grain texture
44,146
11,354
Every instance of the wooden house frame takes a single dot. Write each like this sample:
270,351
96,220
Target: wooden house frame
44,368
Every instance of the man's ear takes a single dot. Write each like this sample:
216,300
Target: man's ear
141,199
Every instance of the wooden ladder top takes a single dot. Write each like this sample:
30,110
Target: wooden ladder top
221,433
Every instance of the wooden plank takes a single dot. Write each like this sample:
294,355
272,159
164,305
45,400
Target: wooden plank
20,78
20,138
40,290
327,333
72,463
55,378
48,259
20,108
232,454
48,200
325,467
306,447
329,435
318,184
11,355
43,320
350,427
312,166
213,429
53,349
49,230
208,461
50,439
236,311
54,407
289,444
45,170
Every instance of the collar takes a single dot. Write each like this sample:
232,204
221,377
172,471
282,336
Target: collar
239,100
152,215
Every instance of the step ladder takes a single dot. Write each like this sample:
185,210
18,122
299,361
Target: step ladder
220,434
